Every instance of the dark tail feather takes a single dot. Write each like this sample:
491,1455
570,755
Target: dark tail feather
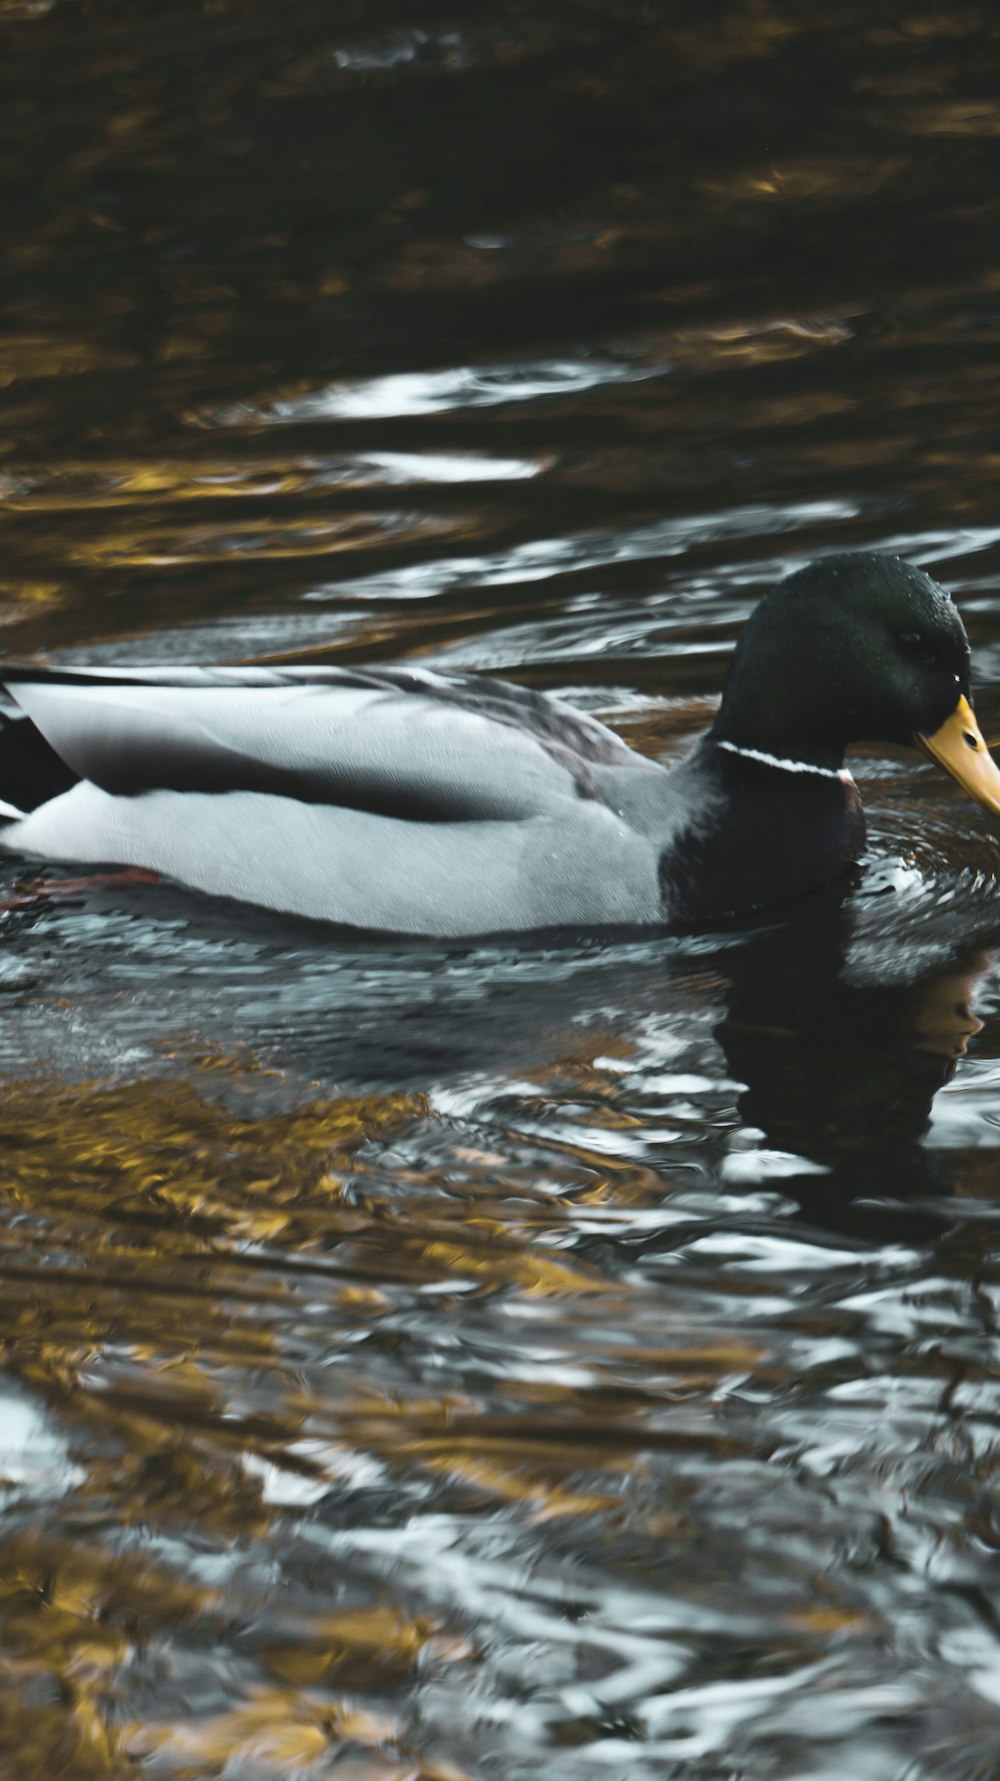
30,770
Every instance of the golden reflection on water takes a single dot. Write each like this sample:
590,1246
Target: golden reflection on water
45,355
164,1265
264,540
149,1290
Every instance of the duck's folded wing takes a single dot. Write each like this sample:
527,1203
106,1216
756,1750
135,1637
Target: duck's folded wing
400,743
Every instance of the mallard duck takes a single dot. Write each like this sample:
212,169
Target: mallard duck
414,802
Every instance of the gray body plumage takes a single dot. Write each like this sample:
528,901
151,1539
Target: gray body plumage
395,800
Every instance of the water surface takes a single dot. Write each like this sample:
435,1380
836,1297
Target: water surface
454,1362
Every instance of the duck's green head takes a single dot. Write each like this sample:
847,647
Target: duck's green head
857,648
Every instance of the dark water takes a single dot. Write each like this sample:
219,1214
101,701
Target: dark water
471,1363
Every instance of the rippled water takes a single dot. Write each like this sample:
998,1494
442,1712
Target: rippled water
433,1363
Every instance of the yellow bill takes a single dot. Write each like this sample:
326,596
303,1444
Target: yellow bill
959,748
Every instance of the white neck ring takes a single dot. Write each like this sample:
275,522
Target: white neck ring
774,760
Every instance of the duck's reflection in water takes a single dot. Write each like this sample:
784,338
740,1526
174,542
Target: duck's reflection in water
841,1066
838,1026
